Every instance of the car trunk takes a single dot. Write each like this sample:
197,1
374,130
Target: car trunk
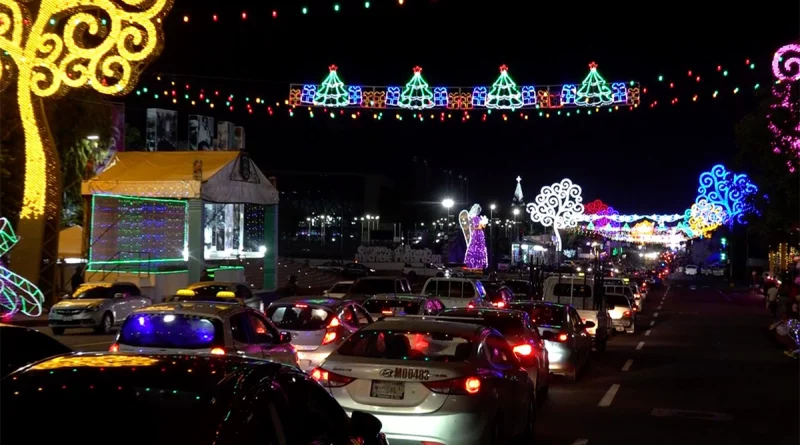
307,340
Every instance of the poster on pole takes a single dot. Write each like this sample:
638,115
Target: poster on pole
161,130
201,133
117,142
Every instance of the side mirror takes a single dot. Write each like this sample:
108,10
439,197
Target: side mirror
285,337
118,295
365,426
589,324
548,335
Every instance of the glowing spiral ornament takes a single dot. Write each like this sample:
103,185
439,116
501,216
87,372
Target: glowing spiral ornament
16,293
727,190
557,205
786,63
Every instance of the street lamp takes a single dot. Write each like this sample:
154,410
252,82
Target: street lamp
516,212
491,235
448,203
93,137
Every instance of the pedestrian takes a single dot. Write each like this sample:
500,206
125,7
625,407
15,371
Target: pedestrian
772,300
77,278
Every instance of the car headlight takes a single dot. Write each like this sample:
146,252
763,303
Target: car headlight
92,308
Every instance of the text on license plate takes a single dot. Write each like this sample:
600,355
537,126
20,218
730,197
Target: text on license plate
387,390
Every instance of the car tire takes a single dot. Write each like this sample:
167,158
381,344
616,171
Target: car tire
58,331
106,323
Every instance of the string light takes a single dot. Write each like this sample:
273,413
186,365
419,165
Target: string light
16,293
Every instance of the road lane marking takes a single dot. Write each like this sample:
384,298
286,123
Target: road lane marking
652,323
658,308
647,334
640,346
688,414
605,402
666,291
627,365
655,314
581,442
94,344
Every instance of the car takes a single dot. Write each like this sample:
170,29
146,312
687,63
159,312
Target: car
204,328
690,270
210,291
579,292
426,270
431,381
628,292
339,289
367,287
356,270
457,292
317,326
521,334
100,306
568,344
498,294
20,346
330,266
623,317
391,304
194,400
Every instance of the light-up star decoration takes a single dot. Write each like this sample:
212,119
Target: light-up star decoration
557,205
99,44
703,218
729,191
16,293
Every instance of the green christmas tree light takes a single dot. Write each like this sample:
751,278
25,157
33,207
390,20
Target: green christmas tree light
332,92
594,90
417,95
504,94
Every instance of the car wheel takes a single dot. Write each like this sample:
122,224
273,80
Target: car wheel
58,331
105,324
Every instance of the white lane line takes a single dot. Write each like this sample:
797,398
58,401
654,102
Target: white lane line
666,291
94,344
652,323
658,308
655,314
647,334
605,402
627,365
581,442
640,346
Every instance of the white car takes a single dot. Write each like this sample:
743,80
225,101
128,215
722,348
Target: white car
99,306
204,328
339,289
690,270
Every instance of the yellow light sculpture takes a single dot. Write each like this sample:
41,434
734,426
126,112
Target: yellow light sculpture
96,361
104,45
705,217
643,229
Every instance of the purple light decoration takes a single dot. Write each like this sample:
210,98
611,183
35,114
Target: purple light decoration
604,223
784,122
786,63
476,256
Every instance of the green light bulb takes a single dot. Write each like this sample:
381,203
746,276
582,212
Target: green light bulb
305,10
660,78
366,5
336,7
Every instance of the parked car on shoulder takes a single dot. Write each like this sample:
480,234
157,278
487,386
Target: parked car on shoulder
20,346
330,266
356,270
99,306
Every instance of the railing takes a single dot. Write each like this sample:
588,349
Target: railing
125,261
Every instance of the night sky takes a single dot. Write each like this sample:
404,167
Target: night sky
645,161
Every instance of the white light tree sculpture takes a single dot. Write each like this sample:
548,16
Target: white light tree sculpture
557,205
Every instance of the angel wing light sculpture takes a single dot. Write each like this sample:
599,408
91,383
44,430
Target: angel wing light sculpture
476,256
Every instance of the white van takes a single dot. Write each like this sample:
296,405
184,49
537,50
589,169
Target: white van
456,292
579,292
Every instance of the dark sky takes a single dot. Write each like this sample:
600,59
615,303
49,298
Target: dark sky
646,160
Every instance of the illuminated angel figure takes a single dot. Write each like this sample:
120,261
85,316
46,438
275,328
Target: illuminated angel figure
472,224
18,294
100,44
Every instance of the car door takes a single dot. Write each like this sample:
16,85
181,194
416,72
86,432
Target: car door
120,307
244,336
269,339
583,340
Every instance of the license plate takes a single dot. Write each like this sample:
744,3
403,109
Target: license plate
67,318
387,390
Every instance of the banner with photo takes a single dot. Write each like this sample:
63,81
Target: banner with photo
224,135
162,130
117,142
238,138
201,133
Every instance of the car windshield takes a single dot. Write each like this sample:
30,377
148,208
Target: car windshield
340,288
92,291
506,325
299,317
372,287
546,314
617,300
374,306
407,345
165,330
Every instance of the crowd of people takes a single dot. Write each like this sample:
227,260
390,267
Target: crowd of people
786,326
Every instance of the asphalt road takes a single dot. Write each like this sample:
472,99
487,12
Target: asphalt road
699,370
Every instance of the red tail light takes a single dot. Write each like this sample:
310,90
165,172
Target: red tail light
635,308
334,323
300,305
500,304
562,337
113,348
470,306
330,379
523,349
463,386
387,312
331,334
329,337
626,314
217,351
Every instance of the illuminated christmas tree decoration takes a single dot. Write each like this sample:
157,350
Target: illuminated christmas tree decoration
416,95
16,293
786,63
332,92
472,224
557,205
86,53
731,192
594,90
504,93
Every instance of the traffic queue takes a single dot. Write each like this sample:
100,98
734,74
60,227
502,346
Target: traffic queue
463,362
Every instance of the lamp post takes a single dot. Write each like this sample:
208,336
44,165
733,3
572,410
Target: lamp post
491,236
516,213
448,203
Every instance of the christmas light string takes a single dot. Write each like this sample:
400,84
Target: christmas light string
784,113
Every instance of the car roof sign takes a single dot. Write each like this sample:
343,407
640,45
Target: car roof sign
186,293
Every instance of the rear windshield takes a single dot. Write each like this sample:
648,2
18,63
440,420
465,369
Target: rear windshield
574,290
617,300
409,345
511,326
171,331
453,289
299,317
377,306
372,287
340,288
547,315
92,291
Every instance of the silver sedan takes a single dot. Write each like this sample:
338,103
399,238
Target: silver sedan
433,382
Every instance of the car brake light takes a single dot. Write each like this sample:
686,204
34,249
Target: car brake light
387,312
500,304
635,308
330,379
562,337
329,337
626,314
113,348
217,351
470,306
334,323
463,386
300,305
523,349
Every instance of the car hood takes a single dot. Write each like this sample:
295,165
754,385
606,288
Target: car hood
78,304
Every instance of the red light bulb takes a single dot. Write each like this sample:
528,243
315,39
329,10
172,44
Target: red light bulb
244,15
274,14
214,17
